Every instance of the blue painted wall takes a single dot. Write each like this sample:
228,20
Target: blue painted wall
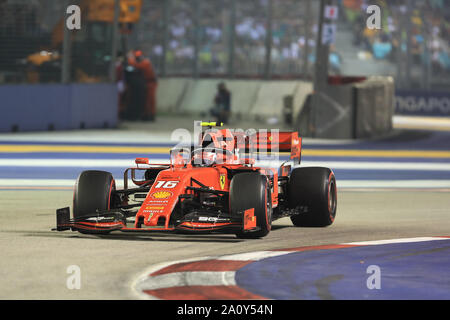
36,107
422,103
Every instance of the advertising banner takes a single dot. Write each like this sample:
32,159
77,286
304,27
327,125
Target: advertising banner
422,103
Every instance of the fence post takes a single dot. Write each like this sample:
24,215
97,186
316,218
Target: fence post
307,27
231,39
426,62
196,37
408,45
166,19
322,52
114,45
267,69
66,50
320,68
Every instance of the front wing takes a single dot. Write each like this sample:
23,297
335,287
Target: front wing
103,222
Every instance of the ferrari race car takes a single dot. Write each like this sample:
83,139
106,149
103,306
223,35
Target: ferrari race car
212,186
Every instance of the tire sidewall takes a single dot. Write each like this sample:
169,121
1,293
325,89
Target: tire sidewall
93,191
313,189
244,195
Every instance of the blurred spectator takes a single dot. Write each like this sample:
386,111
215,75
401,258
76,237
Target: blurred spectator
335,61
146,82
222,104
135,90
381,47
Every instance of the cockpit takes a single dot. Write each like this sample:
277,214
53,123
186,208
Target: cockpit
210,156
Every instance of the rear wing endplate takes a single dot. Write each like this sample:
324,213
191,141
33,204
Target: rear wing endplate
276,141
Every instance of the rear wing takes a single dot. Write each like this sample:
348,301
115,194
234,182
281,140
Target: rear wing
276,141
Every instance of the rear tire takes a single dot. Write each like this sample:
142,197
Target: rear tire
93,191
312,192
251,190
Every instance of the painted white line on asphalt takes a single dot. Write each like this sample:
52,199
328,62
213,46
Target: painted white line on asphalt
125,163
431,122
382,189
254,256
342,184
191,278
44,183
108,137
37,182
354,165
401,240
393,183
81,163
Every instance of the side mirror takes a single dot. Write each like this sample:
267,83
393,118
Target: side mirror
141,161
249,161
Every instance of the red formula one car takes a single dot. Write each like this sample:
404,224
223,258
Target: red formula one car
213,186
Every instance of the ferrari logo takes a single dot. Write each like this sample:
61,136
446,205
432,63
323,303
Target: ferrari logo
222,180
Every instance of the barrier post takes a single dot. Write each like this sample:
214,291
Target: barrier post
267,69
115,31
67,47
231,39
320,68
196,37
307,27
166,19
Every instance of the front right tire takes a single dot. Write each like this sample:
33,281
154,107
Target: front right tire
93,191
251,190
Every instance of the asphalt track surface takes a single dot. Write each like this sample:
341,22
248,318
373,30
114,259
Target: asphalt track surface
35,259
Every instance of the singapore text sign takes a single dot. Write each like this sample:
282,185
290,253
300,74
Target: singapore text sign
422,103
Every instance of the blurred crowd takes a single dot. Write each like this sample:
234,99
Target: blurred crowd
428,22
196,37
213,37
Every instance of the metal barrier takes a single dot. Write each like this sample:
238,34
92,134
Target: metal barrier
349,111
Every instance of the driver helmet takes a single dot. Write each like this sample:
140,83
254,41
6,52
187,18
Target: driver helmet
226,140
205,158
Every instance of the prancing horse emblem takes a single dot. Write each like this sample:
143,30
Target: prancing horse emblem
222,180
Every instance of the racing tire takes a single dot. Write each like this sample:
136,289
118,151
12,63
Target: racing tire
93,191
251,190
312,192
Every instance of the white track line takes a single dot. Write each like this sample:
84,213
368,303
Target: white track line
37,182
190,278
108,137
342,184
124,163
432,123
77,163
393,183
391,241
254,256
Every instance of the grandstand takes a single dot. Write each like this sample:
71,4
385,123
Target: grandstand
357,50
